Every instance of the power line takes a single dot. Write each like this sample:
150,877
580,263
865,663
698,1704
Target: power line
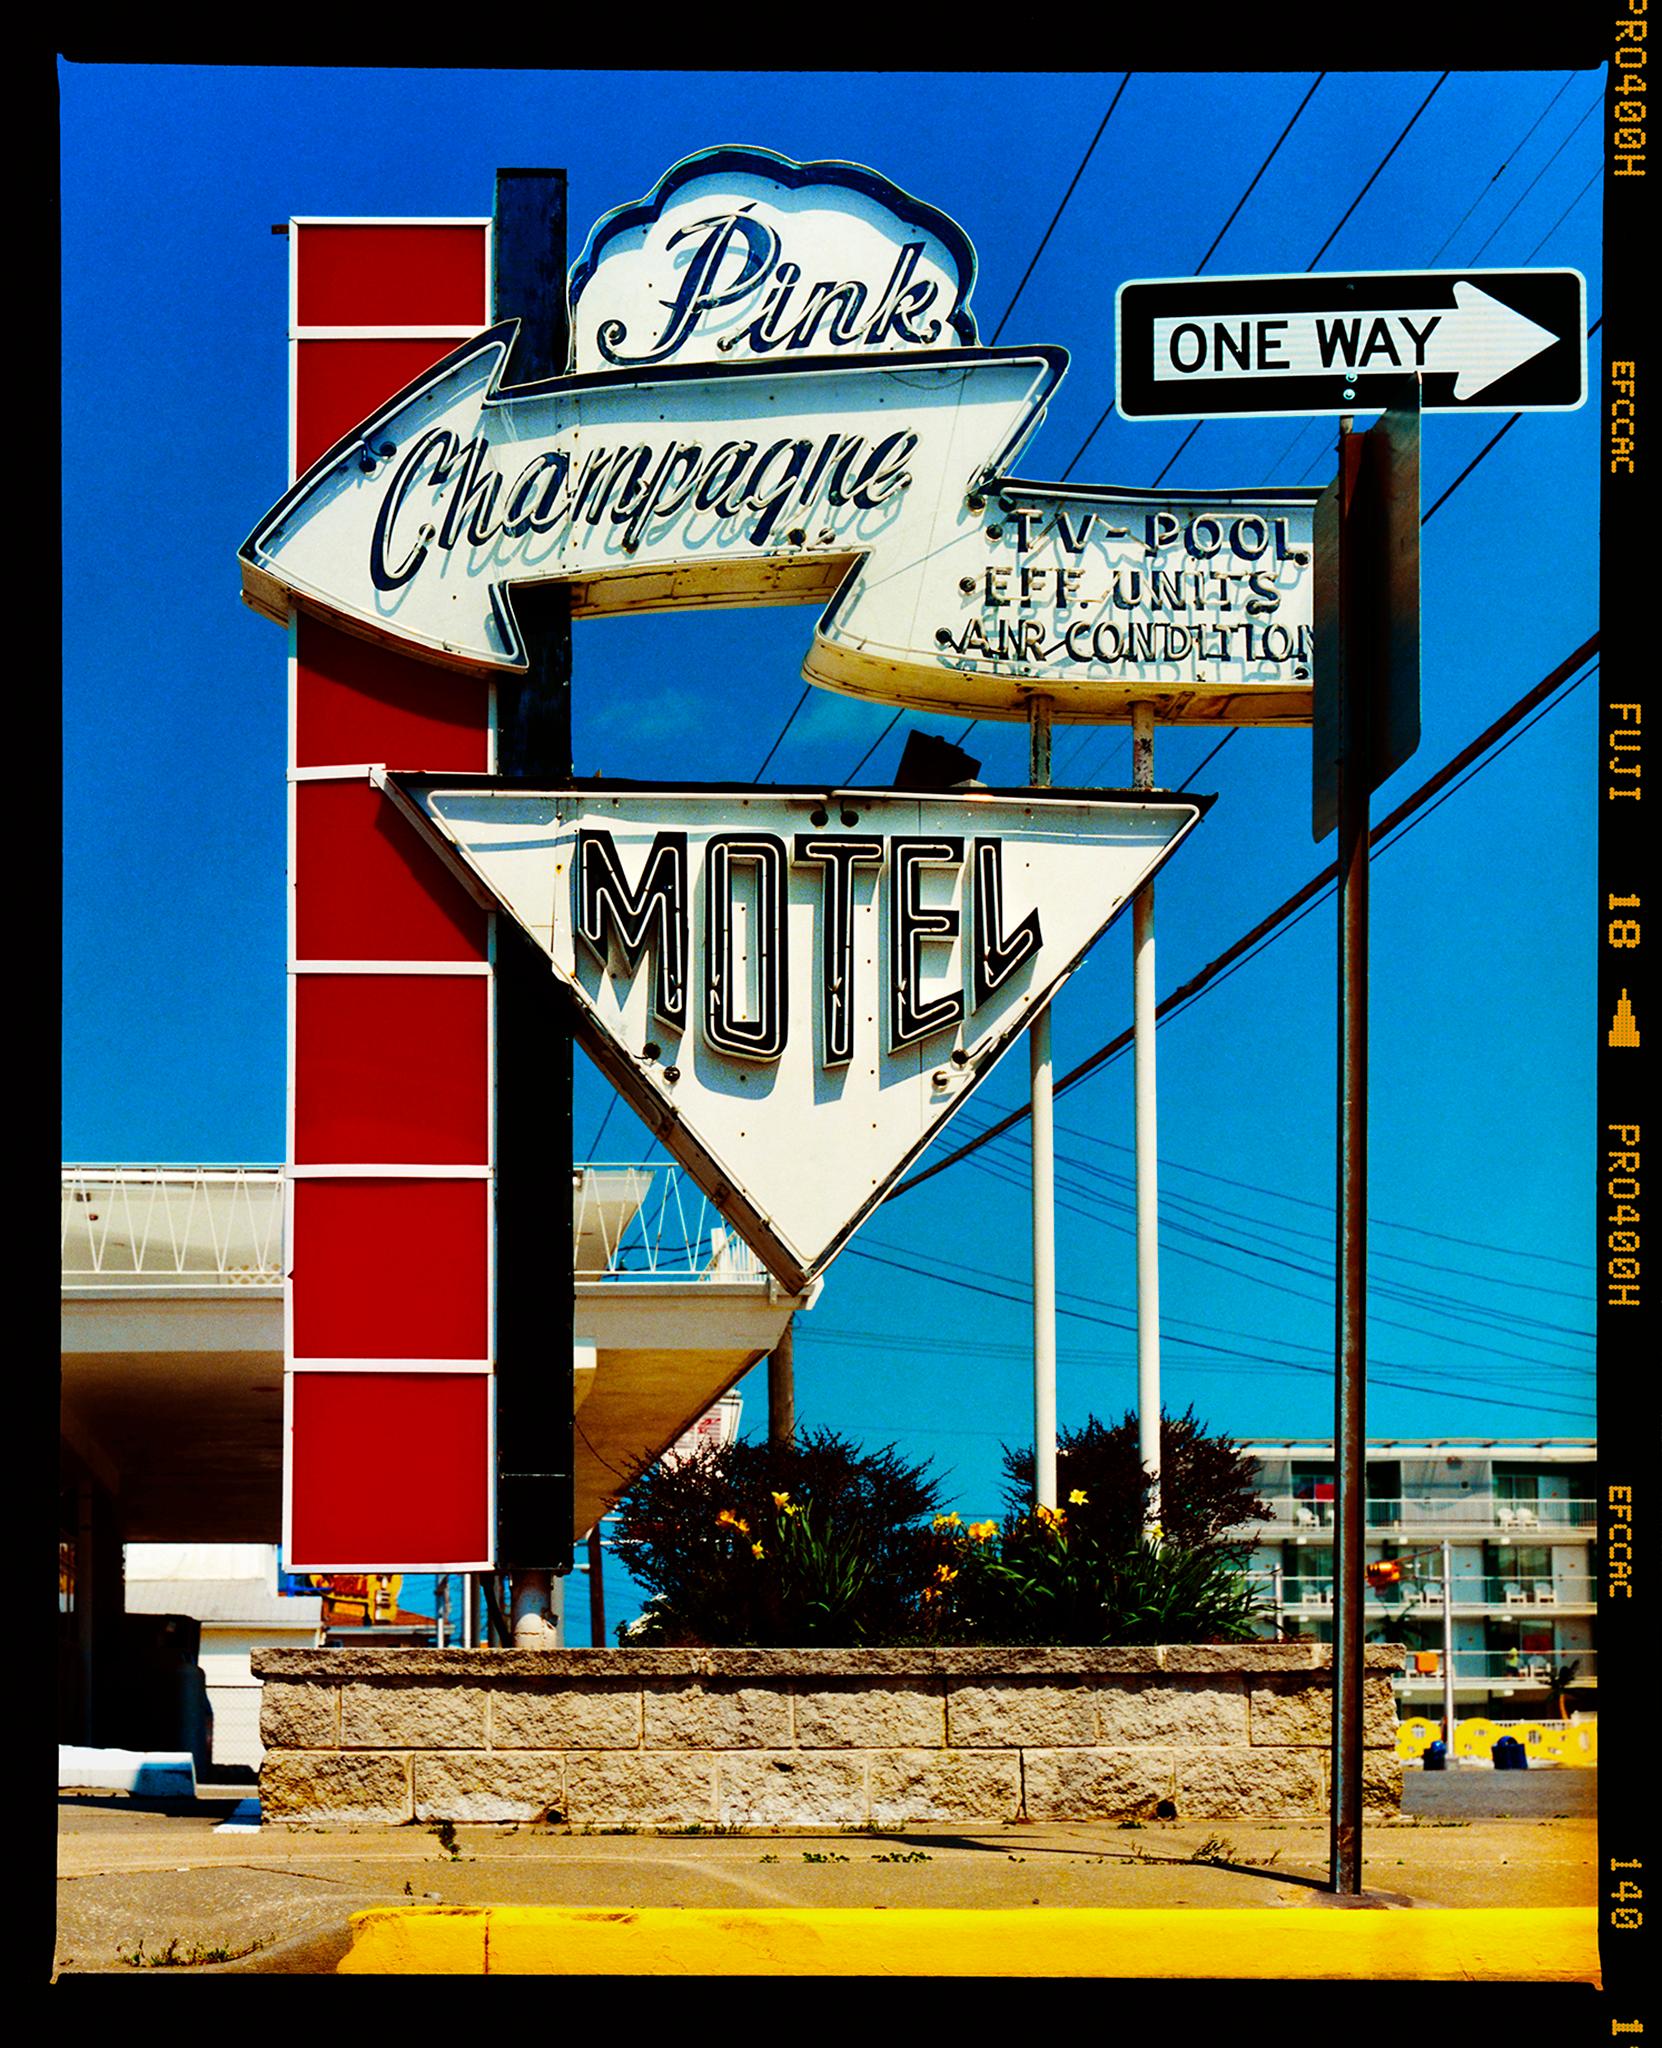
1539,175
1283,912
1569,79
1211,252
1061,208
1383,161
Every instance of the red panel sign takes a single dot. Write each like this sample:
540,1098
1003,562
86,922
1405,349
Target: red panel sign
342,382
391,1070
387,1467
358,702
402,904
396,1469
390,274
391,1269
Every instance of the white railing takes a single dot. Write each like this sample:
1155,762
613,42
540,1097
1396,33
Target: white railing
164,1229
1474,1589
1425,1512
652,1223
172,1229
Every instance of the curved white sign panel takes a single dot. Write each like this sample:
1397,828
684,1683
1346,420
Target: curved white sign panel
797,989
776,397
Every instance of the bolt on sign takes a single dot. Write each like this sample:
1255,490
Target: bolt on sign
796,988
776,396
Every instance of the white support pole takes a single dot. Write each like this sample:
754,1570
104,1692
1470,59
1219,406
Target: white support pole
536,1611
1448,1646
1148,1193
1044,1184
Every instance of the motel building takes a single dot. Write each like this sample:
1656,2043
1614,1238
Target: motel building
172,1419
1518,1517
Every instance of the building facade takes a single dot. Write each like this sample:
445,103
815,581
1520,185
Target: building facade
1518,1517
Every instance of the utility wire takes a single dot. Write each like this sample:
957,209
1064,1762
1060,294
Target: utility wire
1569,79
1539,175
1211,252
1211,971
1060,210
1383,161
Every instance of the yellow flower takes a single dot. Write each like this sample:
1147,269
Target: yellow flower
730,1520
1077,1498
756,1550
945,1574
947,1521
781,1500
981,1532
1052,1518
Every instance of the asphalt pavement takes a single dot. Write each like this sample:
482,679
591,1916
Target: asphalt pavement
199,1887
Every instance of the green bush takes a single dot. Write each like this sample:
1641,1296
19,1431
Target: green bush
1048,1577
1208,1486
820,1544
812,1543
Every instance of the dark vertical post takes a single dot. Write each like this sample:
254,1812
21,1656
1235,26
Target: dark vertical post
533,1033
1349,1424
782,1388
597,1590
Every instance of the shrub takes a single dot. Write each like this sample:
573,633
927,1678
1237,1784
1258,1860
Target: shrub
1049,1576
1207,1484
812,1543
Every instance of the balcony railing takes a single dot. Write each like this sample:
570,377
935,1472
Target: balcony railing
1478,1589
652,1223
179,1229
1423,1514
172,1229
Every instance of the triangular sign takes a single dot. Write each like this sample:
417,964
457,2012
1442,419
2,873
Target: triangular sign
796,989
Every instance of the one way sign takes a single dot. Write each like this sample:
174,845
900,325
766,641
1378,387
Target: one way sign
1477,340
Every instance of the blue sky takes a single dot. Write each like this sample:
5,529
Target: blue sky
175,368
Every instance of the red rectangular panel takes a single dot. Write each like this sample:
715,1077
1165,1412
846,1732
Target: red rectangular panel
366,888
390,1470
391,1269
391,1070
340,383
390,274
356,701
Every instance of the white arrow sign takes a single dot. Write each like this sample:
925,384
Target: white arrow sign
1477,343
747,484
797,989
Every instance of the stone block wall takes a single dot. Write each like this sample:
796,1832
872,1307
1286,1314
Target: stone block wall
810,1738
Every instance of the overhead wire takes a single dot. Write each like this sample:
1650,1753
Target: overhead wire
1296,903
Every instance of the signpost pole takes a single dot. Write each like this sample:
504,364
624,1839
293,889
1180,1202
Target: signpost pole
1044,1183
1148,1192
782,1388
1448,1645
533,1036
1349,1431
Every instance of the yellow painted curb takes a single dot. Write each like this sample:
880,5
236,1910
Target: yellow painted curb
1533,1944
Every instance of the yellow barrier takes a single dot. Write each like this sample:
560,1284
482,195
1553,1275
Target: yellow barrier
1550,1944
1557,1742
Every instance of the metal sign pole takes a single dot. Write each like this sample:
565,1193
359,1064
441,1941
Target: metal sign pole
533,1037
1044,1184
1349,1430
1148,1189
1448,1645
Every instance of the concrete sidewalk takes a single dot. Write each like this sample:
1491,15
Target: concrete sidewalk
145,1887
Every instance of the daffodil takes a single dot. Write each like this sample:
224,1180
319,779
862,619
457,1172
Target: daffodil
1077,1498
945,1574
947,1521
729,1520
781,1500
982,1532
756,1550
